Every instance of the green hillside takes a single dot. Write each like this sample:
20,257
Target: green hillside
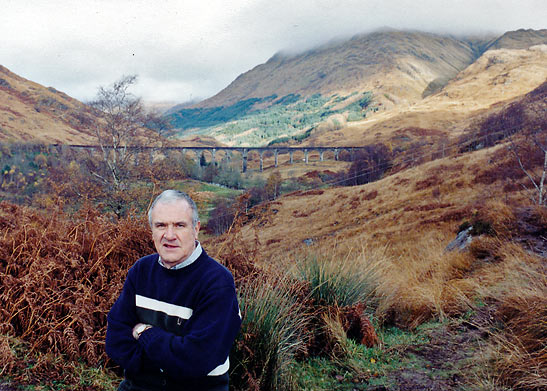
262,121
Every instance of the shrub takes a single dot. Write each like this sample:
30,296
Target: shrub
334,282
40,160
272,334
368,165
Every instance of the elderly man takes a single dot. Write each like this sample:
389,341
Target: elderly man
177,316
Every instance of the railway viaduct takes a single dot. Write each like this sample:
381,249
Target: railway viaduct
229,152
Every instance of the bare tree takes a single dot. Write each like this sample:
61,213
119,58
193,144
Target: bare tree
123,124
535,148
123,119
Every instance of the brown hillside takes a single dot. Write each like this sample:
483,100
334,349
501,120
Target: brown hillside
398,64
421,204
32,112
497,76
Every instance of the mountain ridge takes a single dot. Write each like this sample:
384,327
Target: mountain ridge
355,64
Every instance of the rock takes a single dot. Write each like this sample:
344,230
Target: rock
308,242
462,241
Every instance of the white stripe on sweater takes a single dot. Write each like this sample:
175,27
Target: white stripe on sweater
221,369
161,306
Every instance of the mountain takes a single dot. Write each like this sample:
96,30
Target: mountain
348,92
398,63
401,63
32,112
343,92
427,201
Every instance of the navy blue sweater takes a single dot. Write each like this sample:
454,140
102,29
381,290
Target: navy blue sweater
194,312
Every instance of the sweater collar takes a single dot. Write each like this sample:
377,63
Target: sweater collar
188,261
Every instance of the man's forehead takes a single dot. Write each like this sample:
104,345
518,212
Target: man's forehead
177,203
175,209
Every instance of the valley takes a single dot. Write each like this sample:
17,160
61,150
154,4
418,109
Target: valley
347,269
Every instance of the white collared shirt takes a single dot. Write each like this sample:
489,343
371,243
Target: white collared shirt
188,261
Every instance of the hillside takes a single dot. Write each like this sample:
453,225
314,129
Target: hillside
32,112
427,194
432,199
498,76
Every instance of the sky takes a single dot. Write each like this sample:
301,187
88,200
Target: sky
187,50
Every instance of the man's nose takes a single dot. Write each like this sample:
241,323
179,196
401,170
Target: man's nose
170,232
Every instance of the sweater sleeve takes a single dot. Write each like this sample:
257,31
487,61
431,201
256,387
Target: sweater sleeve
206,342
120,344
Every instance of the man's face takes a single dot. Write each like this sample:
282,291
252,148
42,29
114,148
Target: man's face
172,231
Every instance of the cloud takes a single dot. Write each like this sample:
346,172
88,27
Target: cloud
188,49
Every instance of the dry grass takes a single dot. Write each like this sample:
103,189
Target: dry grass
518,349
421,281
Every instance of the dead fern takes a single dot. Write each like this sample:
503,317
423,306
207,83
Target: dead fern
60,276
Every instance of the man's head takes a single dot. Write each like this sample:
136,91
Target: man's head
171,196
174,220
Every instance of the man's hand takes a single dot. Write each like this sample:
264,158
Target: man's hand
139,329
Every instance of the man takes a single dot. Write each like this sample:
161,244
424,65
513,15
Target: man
177,316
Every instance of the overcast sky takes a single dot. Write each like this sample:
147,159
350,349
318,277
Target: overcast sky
191,49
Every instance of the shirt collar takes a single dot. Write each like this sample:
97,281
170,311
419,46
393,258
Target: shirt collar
188,261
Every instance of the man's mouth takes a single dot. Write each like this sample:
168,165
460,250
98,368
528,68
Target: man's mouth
169,245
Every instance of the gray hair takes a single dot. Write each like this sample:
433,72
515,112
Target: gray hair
171,196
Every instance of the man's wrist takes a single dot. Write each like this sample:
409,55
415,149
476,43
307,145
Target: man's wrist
139,329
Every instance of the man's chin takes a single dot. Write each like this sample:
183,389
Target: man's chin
171,261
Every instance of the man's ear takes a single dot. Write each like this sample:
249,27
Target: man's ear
197,227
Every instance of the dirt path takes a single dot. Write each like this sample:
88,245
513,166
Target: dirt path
442,364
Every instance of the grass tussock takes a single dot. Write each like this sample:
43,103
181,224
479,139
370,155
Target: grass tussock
311,310
273,333
339,294
337,282
343,348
